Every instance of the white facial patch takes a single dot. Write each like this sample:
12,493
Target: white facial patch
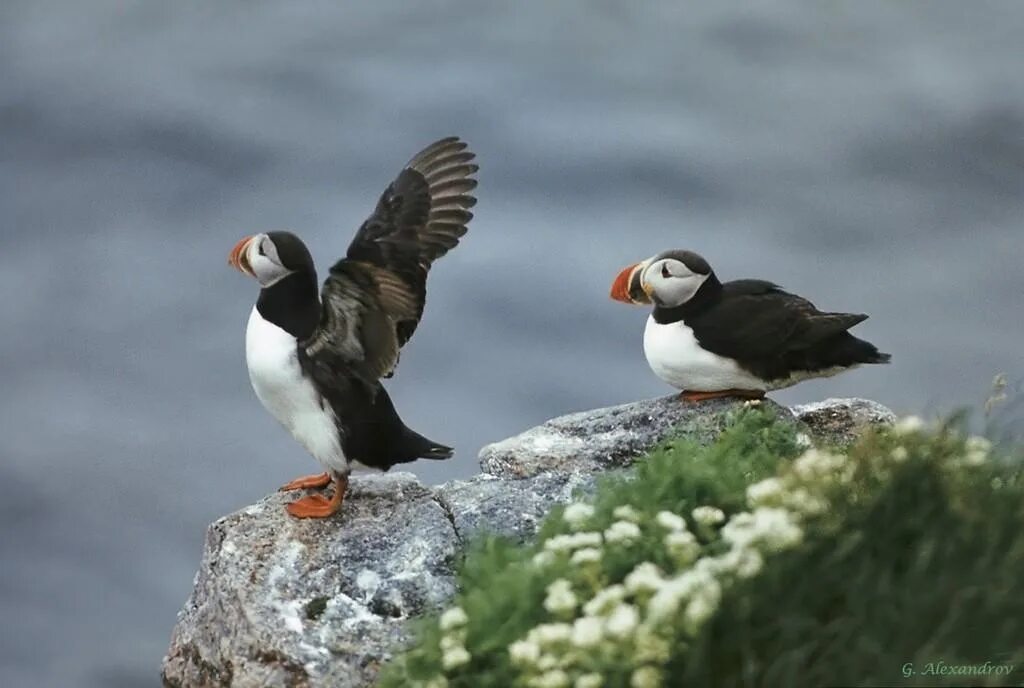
264,261
671,283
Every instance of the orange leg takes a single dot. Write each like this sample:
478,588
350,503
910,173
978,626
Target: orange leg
308,482
722,394
318,506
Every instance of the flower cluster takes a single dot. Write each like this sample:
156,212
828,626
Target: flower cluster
453,624
595,623
621,588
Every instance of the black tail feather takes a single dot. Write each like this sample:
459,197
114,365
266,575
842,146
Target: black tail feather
880,357
437,452
849,350
419,447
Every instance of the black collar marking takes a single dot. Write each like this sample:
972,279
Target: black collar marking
292,304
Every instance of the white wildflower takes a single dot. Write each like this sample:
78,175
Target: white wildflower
455,657
436,682
524,652
664,603
622,620
908,425
774,529
586,632
748,562
626,513
739,531
779,529
577,514
567,543
622,531
899,454
683,547
450,642
543,559
764,492
817,463
555,678
977,449
550,634
803,440
645,677
716,566
670,521
645,576
547,662
604,600
702,605
591,680
708,515
586,555
752,402
802,501
453,618
742,562
650,647
560,597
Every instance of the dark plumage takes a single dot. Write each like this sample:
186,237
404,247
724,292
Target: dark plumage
770,332
349,336
744,336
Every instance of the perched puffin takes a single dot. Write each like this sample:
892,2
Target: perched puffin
316,359
740,338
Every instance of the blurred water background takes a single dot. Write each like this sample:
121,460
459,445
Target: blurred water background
868,155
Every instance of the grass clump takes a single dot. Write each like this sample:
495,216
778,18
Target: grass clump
751,562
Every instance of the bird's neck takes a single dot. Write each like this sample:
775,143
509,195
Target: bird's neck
292,304
707,296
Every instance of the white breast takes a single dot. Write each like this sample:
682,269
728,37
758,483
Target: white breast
277,379
675,356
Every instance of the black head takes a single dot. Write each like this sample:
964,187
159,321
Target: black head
271,257
674,278
694,262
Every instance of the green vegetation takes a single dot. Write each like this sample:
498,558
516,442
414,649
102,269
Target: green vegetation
754,562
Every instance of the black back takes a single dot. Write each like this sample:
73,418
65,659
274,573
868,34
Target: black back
770,332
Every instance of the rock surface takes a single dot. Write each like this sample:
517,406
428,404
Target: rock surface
608,437
840,421
280,602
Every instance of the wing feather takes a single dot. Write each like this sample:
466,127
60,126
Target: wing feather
373,299
759,320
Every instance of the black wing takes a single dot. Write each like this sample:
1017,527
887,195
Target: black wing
759,320
373,299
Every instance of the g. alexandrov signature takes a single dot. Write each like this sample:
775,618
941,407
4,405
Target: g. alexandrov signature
941,668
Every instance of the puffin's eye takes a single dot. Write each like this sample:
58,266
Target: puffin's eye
664,271
259,249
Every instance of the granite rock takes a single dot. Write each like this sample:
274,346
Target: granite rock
840,421
286,602
280,602
610,437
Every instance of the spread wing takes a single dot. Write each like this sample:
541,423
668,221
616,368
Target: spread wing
759,320
372,300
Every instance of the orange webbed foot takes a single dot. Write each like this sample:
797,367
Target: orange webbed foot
722,394
318,506
307,482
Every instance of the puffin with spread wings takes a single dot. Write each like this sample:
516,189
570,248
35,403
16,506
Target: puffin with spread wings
315,358
741,338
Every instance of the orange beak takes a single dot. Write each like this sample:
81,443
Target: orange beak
620,287
238,258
